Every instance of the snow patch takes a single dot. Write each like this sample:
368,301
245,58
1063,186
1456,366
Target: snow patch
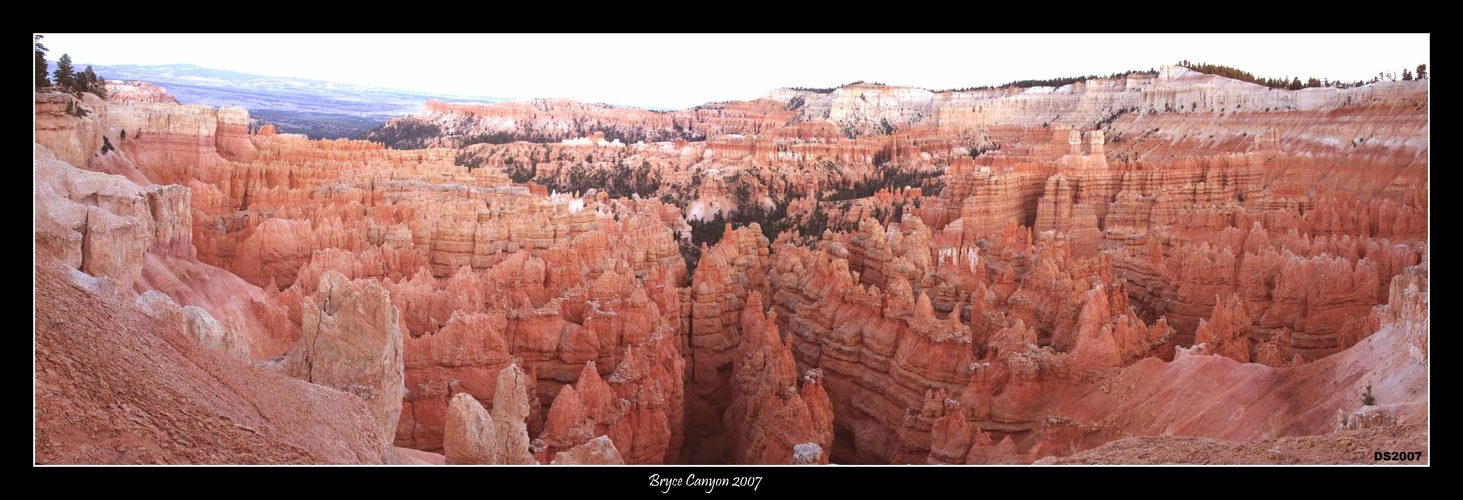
806,453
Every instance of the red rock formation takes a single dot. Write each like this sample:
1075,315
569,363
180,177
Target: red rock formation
352,342
133,91
1276,351
70,138
649,383
473,435
140,237
770,420
1011,264
510,411
725,276
950,438
117,386
470,433
464,357
552,120
1407,310
597,451
1227,331
567,425
264,221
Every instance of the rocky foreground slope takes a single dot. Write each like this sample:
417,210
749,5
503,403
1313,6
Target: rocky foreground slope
126,380
992,276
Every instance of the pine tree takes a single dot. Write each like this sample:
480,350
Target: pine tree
65,75
1406,74
1421,71
101,88
80,83
41,70
92,83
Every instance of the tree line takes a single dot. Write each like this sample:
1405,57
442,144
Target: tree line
67,79
1295,83
1050,82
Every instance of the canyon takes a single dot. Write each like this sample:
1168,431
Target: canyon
867,274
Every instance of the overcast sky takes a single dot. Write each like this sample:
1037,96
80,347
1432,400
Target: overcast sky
677,71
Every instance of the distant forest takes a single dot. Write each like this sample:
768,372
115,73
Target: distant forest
1289,83
1050,82
1295,83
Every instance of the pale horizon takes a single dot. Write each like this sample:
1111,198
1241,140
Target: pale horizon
681,71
